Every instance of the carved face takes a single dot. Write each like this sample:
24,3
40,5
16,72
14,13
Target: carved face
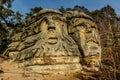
52,39
53,27
86,35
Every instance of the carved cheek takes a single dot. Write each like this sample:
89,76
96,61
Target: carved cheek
82,34
64,26
58,26
81,30
43,26
57,22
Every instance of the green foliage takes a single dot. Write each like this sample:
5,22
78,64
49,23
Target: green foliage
5,14
8,19
106,18
6,3
76,7
62,9
17,17
108,12
81,9
33,11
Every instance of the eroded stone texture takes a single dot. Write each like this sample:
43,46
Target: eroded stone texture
45,45
84,31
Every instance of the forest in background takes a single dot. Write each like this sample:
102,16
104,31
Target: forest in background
108,23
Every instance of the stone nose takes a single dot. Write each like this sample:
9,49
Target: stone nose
51,27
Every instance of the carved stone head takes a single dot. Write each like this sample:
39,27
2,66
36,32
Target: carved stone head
44,46
83,30
53,24
51,39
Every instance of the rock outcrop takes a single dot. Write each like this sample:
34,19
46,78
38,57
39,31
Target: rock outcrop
83,30
54,42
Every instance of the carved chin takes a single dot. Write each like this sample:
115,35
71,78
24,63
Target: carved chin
52,40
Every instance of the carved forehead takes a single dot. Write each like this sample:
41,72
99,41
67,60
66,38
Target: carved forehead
77,18
44,11
81,21
52,16
77,14
44,14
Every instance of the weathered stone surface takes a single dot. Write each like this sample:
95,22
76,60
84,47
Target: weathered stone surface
83,30
47,46
13,45
10,70
55,69
54,42
16,37
52,60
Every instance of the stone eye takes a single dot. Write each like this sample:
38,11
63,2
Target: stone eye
43,25
57,22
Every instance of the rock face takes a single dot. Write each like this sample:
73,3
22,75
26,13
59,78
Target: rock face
83,30
54,42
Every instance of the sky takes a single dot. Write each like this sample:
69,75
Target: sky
23,6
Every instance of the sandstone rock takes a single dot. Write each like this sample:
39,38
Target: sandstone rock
54,42
17,37
54,69
83,30
52,60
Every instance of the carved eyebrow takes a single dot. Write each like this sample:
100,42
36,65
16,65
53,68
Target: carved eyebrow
56,17
53,17
43,18
80,24
93,26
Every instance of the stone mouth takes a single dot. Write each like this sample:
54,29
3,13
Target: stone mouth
92,42
52,40
94,48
